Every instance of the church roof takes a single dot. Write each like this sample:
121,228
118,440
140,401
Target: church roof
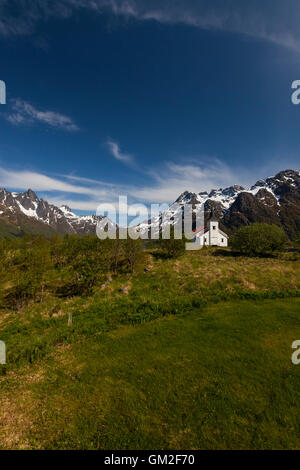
203,231
213,218
223,233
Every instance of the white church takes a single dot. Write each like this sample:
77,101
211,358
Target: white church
211,235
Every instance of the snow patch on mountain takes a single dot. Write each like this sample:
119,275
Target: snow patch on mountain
223,199
62,219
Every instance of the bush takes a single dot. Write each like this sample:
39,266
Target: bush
133,252
30,266
297,241
259,239
172,248
89,259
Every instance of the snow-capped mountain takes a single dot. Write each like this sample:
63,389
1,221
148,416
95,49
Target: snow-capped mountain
274,200
25,212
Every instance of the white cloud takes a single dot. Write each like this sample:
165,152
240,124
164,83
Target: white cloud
167,183
74,204
24,113
115,150
89,193
173,179
270,20
38,182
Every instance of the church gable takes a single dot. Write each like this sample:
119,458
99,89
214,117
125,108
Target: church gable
212,235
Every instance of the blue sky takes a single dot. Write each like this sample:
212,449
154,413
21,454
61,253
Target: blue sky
146,98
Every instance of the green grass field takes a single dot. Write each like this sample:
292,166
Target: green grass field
196,355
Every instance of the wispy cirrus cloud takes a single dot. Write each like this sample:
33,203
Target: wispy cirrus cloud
164,185
160,185
271,20
205,174
116,152
23,112
22,179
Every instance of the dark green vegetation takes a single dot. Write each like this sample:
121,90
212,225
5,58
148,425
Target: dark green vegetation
259,239
19,225
172,247
144,351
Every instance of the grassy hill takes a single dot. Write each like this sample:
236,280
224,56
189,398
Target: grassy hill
18,225
194,353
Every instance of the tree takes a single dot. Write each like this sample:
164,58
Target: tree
133,252
116,251
30,268
172,248
259,239
89,258
57,251
297,240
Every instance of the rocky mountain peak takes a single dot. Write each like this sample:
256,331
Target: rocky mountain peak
28,200
61,220
275,200
65,208
258,184
232,190
31,195
186,196
213,192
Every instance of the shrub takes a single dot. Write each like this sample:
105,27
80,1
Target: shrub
172,248
30,268
259,239
297,241
133,252
89,259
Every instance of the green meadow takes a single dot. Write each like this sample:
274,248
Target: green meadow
187,353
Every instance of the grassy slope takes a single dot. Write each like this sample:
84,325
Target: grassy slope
128,374
23,226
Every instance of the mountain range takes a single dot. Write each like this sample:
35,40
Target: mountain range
275,200
24,213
